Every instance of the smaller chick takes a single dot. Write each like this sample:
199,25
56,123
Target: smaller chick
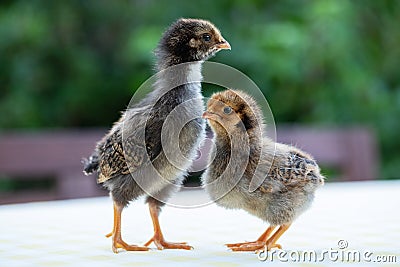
290,176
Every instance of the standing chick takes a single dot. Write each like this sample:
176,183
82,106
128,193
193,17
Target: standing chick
290,175
132,154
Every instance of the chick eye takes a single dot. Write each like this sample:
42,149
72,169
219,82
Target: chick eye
227,110
206,37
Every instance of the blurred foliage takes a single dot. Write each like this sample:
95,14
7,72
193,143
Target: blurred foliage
77,63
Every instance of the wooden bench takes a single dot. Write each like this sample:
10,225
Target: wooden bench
351,151
57,154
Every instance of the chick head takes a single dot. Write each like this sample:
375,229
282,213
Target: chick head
191,40
231,111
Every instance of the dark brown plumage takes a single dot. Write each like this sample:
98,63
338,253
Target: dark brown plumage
131,160
290,176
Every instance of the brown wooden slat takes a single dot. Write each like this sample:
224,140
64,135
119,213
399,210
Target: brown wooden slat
58,153
353,150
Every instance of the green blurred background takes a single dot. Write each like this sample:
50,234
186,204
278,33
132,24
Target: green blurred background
77,63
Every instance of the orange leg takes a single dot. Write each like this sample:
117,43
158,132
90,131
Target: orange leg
158,237
115,222
261,239
117,241
271,242
267,244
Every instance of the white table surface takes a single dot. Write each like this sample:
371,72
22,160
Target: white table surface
71,233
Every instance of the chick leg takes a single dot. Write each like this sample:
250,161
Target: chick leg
115,222
117,241
260,240
158,237
271,242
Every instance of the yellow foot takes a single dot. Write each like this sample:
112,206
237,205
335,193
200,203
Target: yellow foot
268,247
109,234
162,244
241,244
121,244
255,246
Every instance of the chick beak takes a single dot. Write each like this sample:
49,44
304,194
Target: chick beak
208,115
223,45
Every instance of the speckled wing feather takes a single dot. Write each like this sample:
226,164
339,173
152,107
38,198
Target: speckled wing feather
291,167
112,160
295,167
121,155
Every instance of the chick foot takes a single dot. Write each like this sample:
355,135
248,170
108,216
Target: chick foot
260,241
271,242
265,242
109,234
255,246
160,243
117,241
158,237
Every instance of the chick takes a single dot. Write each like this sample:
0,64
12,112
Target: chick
290,176
132,154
